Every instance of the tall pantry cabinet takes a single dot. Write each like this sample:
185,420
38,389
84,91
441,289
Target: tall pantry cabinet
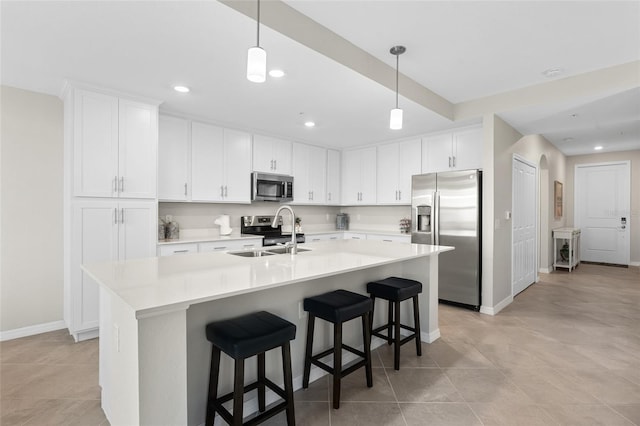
111,145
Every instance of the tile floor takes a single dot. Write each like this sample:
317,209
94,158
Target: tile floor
565,352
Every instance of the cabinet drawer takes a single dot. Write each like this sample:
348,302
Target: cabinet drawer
229,245
354,236
390,238
173,249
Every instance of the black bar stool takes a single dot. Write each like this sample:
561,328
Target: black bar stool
395,290
338,307
241,338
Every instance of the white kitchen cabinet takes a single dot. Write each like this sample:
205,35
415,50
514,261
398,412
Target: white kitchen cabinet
174,176
271,155
177,249
220,164
390,238
354,236
323,237
114,144
457,150
309,173
333,177
104,230
397,162
226,245
359,176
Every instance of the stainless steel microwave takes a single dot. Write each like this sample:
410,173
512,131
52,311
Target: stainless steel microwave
269,187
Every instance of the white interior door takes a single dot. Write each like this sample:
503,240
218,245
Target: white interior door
602,211
524,220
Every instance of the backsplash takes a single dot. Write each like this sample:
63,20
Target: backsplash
314,218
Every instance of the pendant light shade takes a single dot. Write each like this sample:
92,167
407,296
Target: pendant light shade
256,64
257,58
395,118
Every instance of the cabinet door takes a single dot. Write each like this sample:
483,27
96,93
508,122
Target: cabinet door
263,154
95,145
333,177
173,159
282,156
388,173
95,239
317,161
137,231
207,162
436,152
137,149
409,158
237,170
301,165
468,149
350,177
368,168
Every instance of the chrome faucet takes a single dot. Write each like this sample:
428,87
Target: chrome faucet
274,224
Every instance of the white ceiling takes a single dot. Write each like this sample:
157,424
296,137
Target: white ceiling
459,50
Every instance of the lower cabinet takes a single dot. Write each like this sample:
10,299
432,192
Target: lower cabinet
209,246
103,230
323,237
174,249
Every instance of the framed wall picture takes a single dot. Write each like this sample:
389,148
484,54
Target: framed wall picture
557,198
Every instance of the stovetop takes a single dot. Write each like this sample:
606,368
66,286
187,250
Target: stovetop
261,225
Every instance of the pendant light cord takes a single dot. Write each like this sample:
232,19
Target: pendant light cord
258,25
397,71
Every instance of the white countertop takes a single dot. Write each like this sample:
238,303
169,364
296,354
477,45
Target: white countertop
203,237
160,284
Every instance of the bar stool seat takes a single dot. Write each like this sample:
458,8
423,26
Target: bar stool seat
240,338
396,290
338,307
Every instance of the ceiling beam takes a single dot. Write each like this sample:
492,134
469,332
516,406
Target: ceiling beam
286,20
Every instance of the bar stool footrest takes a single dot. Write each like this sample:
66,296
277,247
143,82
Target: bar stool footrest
228,417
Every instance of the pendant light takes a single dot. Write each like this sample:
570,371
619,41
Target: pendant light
395,118
257,58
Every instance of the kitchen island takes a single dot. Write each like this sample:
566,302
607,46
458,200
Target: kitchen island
154,355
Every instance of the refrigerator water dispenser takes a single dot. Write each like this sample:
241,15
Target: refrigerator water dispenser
424,218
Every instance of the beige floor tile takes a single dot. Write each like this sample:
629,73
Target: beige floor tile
367,414
68,412
354,387
59,381
607,387
459,355
422,385
548,386
507,414
439,413
307,413
486,385
408,357
630,411
579,415
317,391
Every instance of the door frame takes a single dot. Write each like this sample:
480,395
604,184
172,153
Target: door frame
576,185
517,157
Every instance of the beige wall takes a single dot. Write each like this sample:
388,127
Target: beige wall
634,157
31,286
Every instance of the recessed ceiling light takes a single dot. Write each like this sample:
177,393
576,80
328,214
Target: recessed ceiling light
309,123
181,89
597,148
573,116
276,73
552,72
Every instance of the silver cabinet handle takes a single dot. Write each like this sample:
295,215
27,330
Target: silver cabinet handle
219,248
221,191
225,191
248,245
115,184
387,241
121,184
185,189
115,216
449,161
328,196
180,251
121,215
454,161
311,195
399,195
275,164
272,165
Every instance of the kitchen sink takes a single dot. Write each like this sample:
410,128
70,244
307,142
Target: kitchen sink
283,250
251,253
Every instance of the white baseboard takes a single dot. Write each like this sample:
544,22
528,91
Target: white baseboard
31,330
430,337
489,310
634,263
546,270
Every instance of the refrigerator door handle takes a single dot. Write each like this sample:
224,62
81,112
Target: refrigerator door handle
435,234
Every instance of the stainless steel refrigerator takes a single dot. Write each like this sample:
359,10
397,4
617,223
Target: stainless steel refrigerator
446,210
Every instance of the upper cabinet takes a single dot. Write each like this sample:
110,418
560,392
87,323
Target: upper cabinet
333,177
220,164
309,173
114,146
174,177
456,150
359,176
271,155
397,162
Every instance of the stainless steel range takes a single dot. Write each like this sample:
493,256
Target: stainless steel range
261,225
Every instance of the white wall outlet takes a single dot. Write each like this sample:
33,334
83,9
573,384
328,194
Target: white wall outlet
301,312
